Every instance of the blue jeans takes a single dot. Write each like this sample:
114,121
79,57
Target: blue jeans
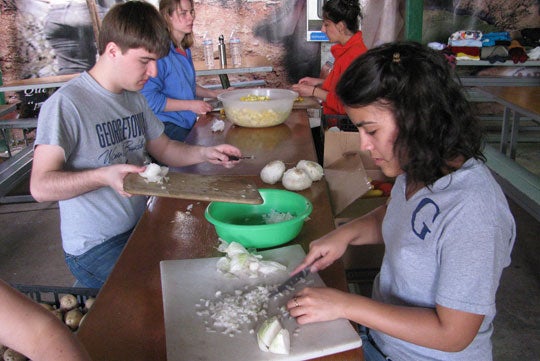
175,132
92,268
371,351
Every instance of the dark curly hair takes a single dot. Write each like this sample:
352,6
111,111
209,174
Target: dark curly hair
435,121
347,11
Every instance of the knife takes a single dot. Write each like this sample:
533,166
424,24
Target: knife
291,281
234,157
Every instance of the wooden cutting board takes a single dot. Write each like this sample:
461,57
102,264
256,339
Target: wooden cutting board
222,188
185,282
307,103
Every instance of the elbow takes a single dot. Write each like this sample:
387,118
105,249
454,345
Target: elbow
456,344
37,192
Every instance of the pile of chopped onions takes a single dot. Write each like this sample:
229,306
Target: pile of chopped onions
277,217
230,313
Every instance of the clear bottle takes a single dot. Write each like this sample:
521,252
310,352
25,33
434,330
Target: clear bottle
235,48
208,51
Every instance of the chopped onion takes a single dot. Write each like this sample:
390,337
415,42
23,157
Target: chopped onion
239,262
155,173
230,313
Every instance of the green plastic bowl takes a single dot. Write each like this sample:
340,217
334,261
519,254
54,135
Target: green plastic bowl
245,223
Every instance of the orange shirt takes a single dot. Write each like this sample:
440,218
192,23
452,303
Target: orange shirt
344,56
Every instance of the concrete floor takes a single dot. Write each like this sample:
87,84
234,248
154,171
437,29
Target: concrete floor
31,254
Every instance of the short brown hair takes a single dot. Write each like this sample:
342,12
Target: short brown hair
132,25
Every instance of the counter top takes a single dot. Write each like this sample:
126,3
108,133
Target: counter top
126,321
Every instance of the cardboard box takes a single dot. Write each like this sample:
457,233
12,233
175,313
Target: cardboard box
348,172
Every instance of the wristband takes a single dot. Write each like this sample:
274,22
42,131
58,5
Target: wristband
313,92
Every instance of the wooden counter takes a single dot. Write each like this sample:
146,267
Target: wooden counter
126,321
521,101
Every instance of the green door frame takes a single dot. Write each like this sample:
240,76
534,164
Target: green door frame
414,14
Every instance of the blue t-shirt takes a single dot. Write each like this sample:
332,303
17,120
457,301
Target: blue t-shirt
175,80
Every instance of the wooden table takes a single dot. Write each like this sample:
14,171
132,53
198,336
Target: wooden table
518,101
250,64
126,321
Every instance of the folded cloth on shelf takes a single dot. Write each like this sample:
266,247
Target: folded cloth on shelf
494,54
466,52
470,38
496,38
534,54
517,52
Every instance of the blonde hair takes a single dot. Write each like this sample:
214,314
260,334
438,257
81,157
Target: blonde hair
167,8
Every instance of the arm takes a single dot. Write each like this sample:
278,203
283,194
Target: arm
441,328
364,230
179,154
35,332
50,182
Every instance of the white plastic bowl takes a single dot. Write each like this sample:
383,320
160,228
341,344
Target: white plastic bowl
258,113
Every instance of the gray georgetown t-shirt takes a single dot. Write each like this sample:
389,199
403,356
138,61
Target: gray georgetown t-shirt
96,128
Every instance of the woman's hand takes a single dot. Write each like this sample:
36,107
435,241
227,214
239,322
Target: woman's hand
303,90
310,81
317,304
200,107
323,252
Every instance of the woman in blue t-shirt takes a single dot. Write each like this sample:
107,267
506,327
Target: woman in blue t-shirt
174,94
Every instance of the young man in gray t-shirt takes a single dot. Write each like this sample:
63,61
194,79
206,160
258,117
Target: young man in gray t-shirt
97,129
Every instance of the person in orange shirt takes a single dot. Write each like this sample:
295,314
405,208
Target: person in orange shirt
340,24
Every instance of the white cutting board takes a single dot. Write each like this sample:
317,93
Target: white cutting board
186,282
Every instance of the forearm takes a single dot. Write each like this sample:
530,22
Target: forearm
319,93
32,330
177,154
175,105
62,185
421,326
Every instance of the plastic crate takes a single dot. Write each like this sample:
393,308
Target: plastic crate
52,294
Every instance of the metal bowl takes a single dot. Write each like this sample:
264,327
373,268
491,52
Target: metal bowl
249,225
258,108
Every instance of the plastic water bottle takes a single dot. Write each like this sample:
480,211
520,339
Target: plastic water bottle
208,51
235,48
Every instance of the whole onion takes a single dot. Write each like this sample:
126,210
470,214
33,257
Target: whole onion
272,172
313,169
296,179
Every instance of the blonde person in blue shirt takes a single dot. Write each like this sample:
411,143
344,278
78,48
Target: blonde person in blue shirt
173,94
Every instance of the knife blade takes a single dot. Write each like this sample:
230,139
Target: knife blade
289,283
234,157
